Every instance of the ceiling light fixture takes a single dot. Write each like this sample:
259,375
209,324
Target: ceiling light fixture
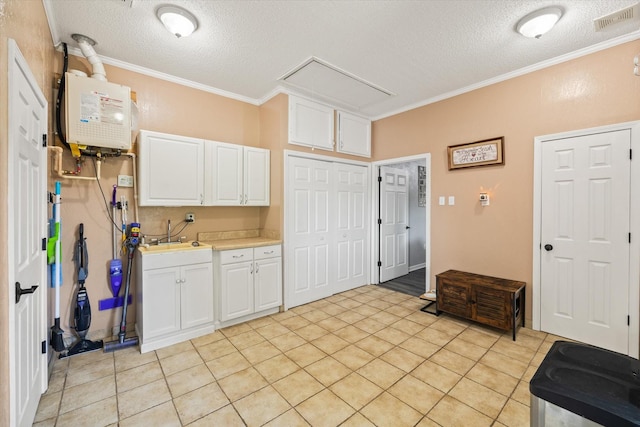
178,21
537,23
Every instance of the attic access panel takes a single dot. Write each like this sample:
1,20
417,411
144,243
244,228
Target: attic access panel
321,79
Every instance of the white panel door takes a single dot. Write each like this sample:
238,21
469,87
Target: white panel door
161,290
352,250
354,135
268,283
171,170
310,124
309,211
236,290
27,218
585,238
196,295
257,176
224,174
394,236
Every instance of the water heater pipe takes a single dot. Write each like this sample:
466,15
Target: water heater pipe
86,46
57,168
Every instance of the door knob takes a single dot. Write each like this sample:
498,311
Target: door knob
407,227
20,291
548,247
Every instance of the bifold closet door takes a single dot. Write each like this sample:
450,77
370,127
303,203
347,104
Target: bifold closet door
310,223
352,248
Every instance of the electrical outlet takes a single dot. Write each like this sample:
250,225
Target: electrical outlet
125,181
190,217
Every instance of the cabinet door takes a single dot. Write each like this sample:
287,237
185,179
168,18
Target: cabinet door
257,176
236,290
196,295
454,298
171,170
310,124
224,174
268,283
161,294
354,135
492,307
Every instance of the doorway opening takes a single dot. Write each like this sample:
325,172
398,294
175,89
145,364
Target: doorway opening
401,227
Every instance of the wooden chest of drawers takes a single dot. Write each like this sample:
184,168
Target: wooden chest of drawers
488,300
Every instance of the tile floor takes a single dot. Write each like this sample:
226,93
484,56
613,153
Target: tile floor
366,357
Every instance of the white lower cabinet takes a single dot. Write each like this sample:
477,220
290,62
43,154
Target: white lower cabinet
175,297
248,283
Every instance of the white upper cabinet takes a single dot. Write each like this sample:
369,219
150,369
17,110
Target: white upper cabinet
310,124
354,135
257,176
236,175
171,170
223,181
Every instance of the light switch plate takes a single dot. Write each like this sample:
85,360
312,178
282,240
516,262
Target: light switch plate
441,201
452,200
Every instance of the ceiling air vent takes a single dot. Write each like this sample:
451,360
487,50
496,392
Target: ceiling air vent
630,13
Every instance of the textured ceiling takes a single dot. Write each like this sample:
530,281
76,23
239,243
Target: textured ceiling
418,50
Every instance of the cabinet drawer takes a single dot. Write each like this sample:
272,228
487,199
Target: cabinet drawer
267,252
236,255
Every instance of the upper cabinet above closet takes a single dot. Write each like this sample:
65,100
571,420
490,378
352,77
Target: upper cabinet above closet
311,124
354,135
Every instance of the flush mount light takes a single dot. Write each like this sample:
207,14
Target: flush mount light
178,21
537,23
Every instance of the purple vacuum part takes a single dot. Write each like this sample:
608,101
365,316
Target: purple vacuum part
115,273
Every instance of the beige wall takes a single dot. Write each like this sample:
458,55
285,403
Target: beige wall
594,90
25,22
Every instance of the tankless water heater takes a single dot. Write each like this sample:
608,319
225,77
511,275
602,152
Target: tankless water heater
98,113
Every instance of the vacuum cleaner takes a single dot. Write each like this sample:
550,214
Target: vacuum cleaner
131,242
82,311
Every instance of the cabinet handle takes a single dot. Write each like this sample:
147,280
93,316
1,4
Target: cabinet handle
238,256
245,199
257,268
201,199
267,253
251,271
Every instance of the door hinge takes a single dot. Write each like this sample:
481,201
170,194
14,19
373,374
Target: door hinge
379,179
629,237
630,154
628,320
379,221
44,140
43,347
44,243
379,263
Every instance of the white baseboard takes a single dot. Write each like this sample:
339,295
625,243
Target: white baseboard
417,267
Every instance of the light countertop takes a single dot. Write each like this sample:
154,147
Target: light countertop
242,243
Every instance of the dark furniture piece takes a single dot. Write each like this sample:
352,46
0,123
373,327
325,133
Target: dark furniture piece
488,300
577,382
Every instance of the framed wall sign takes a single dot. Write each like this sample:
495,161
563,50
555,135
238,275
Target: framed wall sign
479,153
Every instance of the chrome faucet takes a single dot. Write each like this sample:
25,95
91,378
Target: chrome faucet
168,231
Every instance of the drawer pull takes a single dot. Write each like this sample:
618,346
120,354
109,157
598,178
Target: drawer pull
267,253
238,256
